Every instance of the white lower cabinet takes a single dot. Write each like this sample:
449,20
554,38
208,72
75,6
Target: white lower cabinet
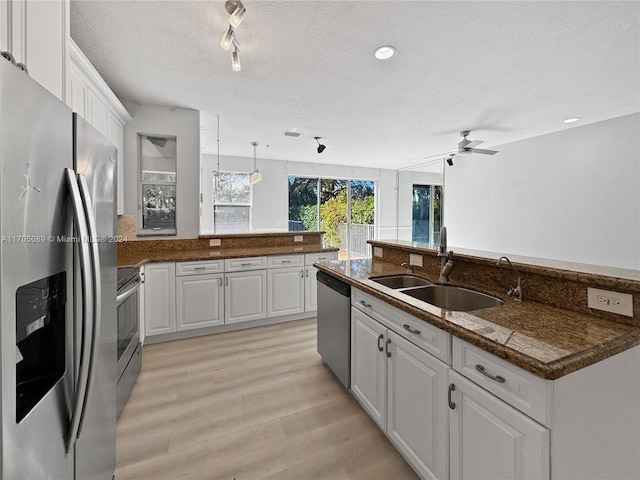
286,291
160,298
490,439
199,301
403,388
245,296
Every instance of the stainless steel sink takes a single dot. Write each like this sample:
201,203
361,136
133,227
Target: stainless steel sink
453,298
401,281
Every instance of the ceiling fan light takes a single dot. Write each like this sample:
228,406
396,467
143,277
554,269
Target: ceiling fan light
238,14
235,61
227,38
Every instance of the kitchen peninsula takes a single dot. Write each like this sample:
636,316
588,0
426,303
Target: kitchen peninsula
543,388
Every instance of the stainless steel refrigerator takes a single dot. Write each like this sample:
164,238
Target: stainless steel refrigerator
57,288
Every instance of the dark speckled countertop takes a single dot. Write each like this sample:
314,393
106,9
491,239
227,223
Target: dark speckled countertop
139,258
548,341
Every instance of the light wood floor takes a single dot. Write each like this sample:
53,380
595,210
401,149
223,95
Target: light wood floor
250,404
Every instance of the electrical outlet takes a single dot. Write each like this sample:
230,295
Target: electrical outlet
614,302
377,252
415,260
215,242
298,238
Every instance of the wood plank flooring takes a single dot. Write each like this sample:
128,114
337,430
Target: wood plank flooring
244,405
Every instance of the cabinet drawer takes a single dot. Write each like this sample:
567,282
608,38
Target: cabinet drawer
199,268
282,261
519,388
311,258
431,339
241,264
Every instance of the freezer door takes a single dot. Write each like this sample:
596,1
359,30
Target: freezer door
36,273
95,162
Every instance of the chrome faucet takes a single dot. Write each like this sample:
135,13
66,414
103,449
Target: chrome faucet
517,290
446,258
408,265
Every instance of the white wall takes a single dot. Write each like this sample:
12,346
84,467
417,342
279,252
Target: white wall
270,211
184,124
572,195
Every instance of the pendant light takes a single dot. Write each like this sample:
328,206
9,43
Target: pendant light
256,176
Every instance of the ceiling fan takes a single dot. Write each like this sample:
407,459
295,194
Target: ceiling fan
468,146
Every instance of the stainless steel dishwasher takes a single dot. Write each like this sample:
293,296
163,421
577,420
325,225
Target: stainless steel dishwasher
334,326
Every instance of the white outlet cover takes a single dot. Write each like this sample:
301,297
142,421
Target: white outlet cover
298,238
377,252
415,259
215,242
608,301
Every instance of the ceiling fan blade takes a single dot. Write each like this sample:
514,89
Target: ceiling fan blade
480,150
473,143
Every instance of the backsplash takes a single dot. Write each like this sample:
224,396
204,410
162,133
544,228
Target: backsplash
551,286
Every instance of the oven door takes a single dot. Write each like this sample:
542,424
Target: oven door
128,324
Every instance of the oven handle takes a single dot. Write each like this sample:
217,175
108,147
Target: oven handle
127,293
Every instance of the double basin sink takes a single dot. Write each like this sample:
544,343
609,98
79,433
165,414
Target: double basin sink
448,297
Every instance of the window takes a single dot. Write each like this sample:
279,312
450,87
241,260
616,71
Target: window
231,202
343,209
157,185
426,221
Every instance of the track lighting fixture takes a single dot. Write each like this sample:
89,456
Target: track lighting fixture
235,60
450,160
256,176
237,11
227,38
320,146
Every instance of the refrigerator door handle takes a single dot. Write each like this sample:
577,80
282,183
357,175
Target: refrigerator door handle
97,286
87,306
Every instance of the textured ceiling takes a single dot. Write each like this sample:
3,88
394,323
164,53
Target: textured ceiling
506,70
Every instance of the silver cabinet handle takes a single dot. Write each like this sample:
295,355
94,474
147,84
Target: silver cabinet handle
245,264
322,258
306,274
452,388
226,281
380,337
368,305
286,261
495,378
200,268
220,281
412,330
386,347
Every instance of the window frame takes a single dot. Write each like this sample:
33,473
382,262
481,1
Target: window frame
214,204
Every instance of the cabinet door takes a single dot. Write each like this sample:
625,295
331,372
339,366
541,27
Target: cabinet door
160,298
491,439
286,291
199,301
369,365
417,406
310,289
245,296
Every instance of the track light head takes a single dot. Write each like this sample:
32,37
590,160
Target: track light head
320,146
227,38
236,9
450,161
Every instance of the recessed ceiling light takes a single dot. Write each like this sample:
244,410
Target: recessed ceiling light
384,52
572,120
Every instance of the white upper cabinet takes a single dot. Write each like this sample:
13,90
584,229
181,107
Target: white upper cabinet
93,100
35,33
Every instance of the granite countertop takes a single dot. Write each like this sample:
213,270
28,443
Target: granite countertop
137,259
547,341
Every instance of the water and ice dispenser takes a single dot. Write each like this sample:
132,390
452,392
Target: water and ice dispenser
40,340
